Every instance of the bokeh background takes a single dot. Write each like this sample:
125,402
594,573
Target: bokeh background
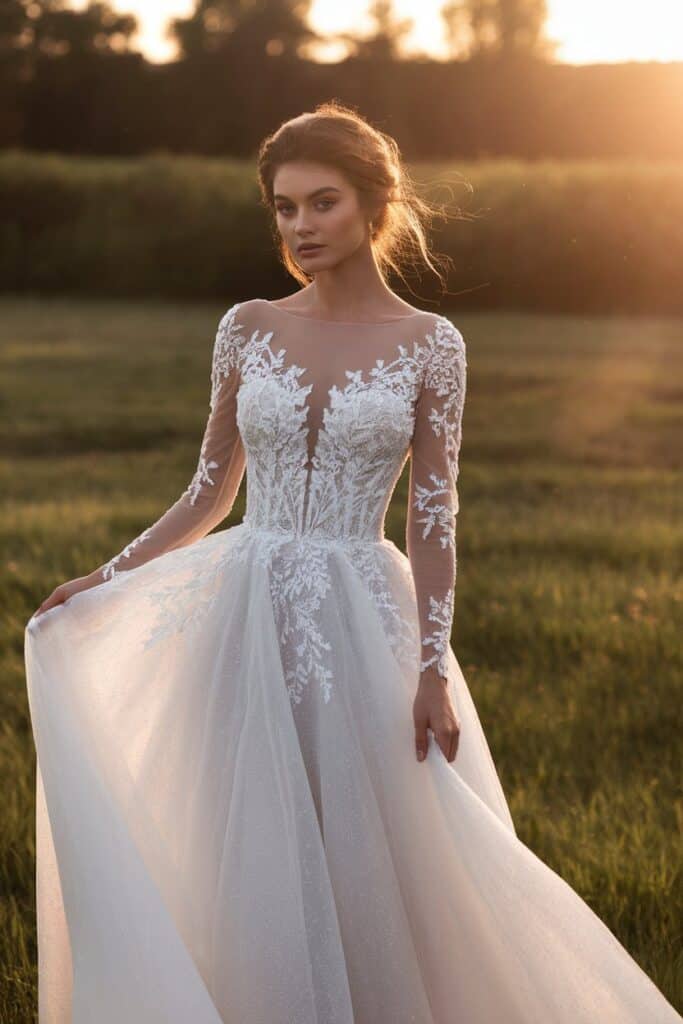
130,220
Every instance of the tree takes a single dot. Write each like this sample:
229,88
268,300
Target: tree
385,41
254,28
97,29
498,28
34,29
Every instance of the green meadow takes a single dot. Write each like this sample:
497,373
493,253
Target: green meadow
569,594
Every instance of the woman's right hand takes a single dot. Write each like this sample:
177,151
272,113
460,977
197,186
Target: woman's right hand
66,590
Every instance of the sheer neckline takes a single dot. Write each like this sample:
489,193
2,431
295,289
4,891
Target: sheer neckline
345,323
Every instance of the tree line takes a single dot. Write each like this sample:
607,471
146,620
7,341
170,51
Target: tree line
72,81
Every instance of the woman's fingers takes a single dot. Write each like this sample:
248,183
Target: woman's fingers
421,738
448,737
58,596
433,709
455,741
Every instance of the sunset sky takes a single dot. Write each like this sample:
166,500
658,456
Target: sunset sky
588,31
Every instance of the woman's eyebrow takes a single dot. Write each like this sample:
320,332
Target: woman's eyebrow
311,195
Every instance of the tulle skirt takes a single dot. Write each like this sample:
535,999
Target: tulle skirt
232,825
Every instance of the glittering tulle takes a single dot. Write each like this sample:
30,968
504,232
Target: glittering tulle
212,850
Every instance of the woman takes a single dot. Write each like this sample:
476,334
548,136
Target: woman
233,822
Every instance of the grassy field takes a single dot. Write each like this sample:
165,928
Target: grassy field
569,583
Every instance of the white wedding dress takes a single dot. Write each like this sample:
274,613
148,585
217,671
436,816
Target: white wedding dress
232,825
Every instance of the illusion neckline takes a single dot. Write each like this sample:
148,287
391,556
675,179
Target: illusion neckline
344,323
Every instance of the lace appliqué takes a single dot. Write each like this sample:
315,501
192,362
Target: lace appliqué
299,580
226,353
445,376
440,612
182,607
306,512
226,350
401,630
110,568
202,476
299,515
303,512
437,514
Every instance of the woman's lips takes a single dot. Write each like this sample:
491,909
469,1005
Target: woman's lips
310,249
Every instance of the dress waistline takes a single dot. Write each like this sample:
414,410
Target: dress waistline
310,537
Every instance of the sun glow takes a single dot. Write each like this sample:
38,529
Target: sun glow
586,31
607,31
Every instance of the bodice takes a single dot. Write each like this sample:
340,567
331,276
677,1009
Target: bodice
322,416
334,481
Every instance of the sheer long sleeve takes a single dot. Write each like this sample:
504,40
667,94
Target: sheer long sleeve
433,495
212,490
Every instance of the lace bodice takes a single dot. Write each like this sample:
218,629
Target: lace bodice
323,416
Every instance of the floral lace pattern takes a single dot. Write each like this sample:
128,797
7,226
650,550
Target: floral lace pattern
225,360
308,507
110,568
335,503
444,389
441,515
440,612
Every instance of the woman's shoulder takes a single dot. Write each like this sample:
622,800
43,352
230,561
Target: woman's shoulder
238,322
231,335
445,364
445,333
445,351
234,313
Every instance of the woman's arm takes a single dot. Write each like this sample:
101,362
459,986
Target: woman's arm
433,495
211,492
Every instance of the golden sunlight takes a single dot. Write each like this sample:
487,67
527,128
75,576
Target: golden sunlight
586,31
602,31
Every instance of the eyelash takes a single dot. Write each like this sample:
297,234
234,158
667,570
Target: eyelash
283,209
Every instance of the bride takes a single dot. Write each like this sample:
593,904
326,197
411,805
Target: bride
263,790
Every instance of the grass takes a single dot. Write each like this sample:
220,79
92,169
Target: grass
569,590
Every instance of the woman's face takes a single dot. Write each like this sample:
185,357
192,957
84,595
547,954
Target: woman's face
315,204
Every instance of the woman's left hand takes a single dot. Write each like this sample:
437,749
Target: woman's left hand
62,593
433,709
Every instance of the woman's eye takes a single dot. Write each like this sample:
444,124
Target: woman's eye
325,203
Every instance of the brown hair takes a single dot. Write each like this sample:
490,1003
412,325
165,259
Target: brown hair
337,135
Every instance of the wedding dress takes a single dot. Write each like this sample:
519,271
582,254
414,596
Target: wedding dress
232,824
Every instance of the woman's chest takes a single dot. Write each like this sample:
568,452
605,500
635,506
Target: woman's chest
362,405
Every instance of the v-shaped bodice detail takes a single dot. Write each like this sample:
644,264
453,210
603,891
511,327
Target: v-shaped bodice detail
334,479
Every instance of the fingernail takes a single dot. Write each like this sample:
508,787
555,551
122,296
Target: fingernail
420,755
